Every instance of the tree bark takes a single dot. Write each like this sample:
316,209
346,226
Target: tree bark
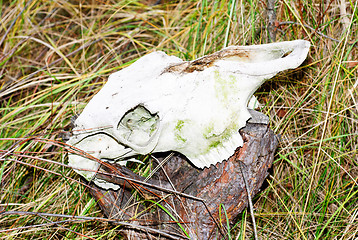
271,19
199,202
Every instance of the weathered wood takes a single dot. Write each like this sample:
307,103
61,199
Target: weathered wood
220,186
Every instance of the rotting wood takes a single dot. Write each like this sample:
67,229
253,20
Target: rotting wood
220,186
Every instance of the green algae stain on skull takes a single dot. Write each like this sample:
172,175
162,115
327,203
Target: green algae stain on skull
209,131
217,140
224,87
178,131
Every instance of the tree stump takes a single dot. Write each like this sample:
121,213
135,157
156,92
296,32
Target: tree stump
180,201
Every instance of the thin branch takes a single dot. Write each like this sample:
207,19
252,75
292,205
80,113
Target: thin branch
309,27
67,229
271,17
249,198
81,218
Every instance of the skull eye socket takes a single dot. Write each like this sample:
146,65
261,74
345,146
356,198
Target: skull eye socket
138,125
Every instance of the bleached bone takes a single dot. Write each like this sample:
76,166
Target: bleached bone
161,103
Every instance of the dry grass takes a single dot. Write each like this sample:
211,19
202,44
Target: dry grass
55,55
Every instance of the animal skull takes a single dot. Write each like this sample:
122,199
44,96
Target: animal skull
161,103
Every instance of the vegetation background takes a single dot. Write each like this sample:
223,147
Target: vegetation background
55,55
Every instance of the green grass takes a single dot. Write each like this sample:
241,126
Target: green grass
55,55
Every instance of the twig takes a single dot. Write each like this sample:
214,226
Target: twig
118,179
250,200
40,168
271,15
74,218
67,229
311,28
36,225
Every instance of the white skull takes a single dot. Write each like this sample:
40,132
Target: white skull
161,103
